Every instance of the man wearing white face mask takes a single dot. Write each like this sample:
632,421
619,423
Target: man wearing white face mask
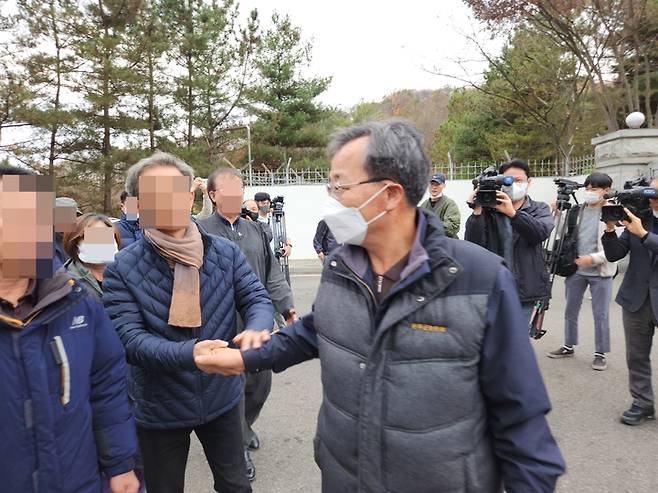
426,361
594,270
516,231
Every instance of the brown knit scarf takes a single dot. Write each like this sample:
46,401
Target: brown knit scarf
185,255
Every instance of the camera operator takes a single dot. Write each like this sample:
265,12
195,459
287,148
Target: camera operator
515,229
638,297
264,202
226,190
593,270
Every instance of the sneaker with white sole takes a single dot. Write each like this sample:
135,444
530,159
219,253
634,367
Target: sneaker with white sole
563,352
599,362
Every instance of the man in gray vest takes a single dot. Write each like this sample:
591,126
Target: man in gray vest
430,383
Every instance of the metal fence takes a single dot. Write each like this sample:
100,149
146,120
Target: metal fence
312,176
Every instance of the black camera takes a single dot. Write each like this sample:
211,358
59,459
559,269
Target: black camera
634,198
488,183
277,203
246,213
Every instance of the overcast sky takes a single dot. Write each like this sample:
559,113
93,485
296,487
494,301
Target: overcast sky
372,48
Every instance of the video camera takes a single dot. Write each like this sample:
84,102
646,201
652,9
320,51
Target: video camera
635,197
277,204
488,183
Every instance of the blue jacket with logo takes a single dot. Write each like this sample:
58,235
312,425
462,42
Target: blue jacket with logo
59,433
167,388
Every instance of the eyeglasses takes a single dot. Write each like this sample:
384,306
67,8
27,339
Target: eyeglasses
338,188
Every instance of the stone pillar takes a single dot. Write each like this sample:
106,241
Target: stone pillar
627,154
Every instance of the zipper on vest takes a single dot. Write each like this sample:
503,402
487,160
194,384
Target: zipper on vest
362,282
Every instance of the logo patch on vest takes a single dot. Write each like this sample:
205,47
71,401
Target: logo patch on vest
429,328
78,322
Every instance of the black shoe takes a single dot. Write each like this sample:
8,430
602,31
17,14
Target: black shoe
251,469
254,443
637,415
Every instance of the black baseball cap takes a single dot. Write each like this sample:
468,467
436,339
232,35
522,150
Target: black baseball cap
260,196
438,177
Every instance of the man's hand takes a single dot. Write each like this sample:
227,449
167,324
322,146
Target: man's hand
206,348
477,210
199,183
223,361
505,205
610,226
287,248
292,316
634,224
252,339
585,261
321,257
124,483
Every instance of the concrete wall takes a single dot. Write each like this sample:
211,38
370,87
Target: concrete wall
303,207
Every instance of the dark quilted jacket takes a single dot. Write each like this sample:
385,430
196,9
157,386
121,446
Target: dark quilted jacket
167,389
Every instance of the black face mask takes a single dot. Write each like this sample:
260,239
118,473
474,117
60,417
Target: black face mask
246,213
264,209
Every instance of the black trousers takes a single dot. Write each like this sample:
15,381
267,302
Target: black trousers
165,452
256,390
639,328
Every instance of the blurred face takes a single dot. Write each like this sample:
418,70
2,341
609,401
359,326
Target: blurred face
436,189
130,208
228,194
165,199
98,245
27,216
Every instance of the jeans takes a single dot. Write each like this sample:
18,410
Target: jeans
601,289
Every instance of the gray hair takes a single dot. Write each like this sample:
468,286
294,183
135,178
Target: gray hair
157,159
395,151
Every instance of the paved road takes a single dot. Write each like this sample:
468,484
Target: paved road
603,456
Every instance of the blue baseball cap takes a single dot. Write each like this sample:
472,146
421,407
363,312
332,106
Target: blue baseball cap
438,177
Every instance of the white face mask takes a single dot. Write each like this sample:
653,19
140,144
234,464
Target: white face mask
516,191
97,253
655,213
591,197
347,223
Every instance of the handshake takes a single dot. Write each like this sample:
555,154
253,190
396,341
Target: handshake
214,356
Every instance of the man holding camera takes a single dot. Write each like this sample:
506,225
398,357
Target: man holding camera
264,203
515,228
638,297
226,190
593,270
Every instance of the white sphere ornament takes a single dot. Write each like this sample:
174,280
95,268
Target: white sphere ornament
635,120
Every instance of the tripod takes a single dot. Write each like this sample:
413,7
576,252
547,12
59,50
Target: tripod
280,238
553,249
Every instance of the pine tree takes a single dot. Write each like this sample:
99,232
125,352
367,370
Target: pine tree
105,81
283,99
212,54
